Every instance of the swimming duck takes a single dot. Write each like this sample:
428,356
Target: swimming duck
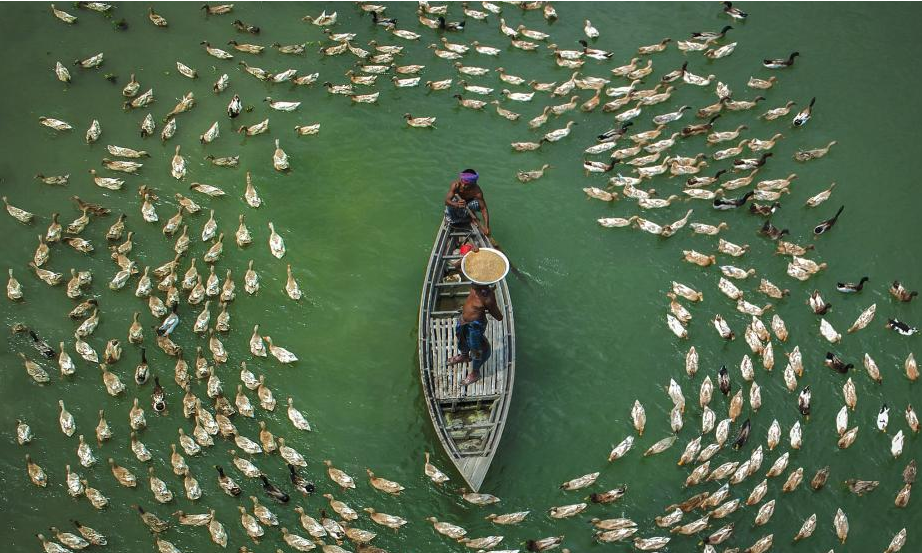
298,419
109,183
779,63
691,46
279,158
566,511
434,474
468,103
339,477
804,115
266,438
406,35
158,398
302,484
807,155
850,287
559,134
761,84
505,113
182,242
250,525
93,133
531,46
395,522
242,402
676,326
63,15
898,291
136,417
309,523
61,72
913,421
730,152
771,231
828,223
775,113
96,498
829,332
658,47
20,215
331,527
262,513
113,352
142,371
735,13
384,485
723,329
725,204
691,78
692,130
266,399
90,62
447,529
560,109
50,278
901,327
226,483
186,71
257,72
747,164
721,52
653,99
528,176
711,36
341,508
741,105
245,28
72,541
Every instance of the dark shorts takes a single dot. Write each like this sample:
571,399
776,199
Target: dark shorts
472,341
459,215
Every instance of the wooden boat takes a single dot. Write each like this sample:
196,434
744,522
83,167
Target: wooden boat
468,420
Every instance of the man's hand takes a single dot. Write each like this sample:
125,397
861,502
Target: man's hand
485,229
460,203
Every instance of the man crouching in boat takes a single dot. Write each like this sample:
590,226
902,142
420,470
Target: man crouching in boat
471,328
465,194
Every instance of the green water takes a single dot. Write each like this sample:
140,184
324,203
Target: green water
358,212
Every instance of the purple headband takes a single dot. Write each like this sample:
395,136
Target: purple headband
469,178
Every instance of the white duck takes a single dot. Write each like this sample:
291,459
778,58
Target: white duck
279,158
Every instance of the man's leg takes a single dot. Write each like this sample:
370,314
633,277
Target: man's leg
479,352
462,333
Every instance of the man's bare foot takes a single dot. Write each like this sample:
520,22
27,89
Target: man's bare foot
471,378
458,359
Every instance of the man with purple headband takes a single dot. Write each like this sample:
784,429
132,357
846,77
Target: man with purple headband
464,193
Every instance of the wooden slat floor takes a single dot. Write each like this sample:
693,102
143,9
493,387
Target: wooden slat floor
447,380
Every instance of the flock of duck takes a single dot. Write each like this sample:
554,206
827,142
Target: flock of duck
176,286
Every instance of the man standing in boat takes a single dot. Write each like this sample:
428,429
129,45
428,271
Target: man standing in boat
471,328
464,194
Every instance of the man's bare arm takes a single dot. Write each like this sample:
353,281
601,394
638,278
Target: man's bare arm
450,198
493,309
